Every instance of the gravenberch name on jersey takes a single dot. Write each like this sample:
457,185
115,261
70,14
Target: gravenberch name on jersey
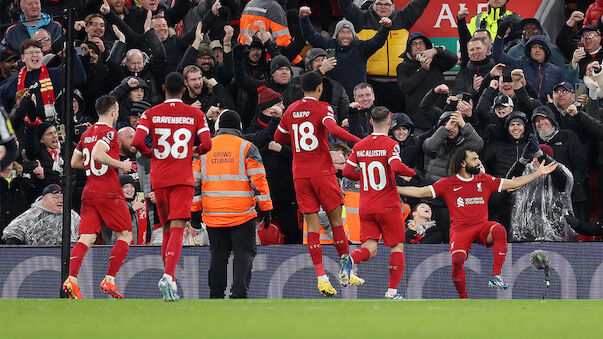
372,153
173,120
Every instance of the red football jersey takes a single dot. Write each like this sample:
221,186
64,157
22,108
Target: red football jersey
173,126
378,192
102,180
467,199
303,121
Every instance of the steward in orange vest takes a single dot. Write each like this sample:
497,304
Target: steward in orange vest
232,181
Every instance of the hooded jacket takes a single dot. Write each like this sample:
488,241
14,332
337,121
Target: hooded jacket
519,50
415,81
39,227
503,151
384,62
20,32
568,150
541,76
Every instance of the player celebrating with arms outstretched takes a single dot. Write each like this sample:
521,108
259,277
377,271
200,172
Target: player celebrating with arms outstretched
173,126
466,194
103,199
305,125
380,212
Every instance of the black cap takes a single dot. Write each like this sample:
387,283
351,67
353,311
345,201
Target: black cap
139,107
229,119
52,189
589,28
8,55
126,179
534,21
569,87
503,100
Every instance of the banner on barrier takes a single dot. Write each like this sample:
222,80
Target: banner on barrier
285,271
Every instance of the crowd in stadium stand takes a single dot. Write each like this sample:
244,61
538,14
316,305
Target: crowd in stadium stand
523,99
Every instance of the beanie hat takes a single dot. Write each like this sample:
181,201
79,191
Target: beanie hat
278,62
267,97
503,100
229,119
205,50
41,129
547,149
313,54
139,107
341,25
126,179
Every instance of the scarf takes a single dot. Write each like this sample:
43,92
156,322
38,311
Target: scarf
44,20
45,88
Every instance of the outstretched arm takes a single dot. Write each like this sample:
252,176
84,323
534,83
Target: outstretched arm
415,192
526,179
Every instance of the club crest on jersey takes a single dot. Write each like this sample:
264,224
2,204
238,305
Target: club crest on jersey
479,186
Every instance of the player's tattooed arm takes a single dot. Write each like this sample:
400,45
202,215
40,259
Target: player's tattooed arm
99,154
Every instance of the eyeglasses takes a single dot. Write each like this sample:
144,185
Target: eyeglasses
381,4
590,35
32,52
43,39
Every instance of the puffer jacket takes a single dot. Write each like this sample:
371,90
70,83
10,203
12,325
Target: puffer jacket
18,33
541,76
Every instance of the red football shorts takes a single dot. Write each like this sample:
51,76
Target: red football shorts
311,193
391,225
174,202
112,212
462,239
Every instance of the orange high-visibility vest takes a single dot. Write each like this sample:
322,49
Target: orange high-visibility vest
196,206
228,172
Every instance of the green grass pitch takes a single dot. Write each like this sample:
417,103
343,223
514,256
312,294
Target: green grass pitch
301,318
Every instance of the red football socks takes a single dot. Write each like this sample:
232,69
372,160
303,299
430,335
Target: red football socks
499,249
360,254
340,240
458,273
396,268
164,244
173,249
316,253
117,257
77,256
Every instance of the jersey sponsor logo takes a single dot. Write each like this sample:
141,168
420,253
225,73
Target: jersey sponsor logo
302,114
479,186
158,119
457,188
460,202
372,153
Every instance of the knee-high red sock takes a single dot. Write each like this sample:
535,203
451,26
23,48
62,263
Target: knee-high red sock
396,268
360,254
316,252
499,249
77,256
117,257
164,243
458,273
172,252
340,240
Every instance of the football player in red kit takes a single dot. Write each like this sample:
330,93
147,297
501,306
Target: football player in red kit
103,199
378,158
173,126
466,194
305,125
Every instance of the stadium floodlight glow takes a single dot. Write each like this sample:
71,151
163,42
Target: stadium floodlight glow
540,261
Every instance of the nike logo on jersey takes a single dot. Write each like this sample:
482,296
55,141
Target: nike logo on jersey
457,188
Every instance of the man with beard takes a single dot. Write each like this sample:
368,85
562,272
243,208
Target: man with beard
466,194
203,93
8,64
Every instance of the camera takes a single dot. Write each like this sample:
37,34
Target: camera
330,52
29,166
